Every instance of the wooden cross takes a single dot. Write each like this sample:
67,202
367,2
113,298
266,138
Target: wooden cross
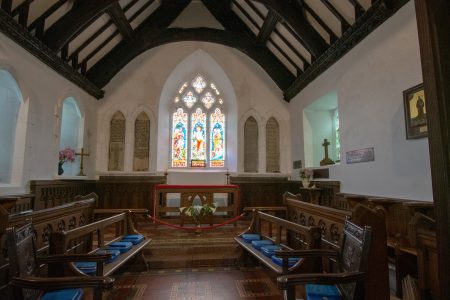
82,154
326,160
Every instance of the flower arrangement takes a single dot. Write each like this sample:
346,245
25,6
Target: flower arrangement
306,173
197,212
67,154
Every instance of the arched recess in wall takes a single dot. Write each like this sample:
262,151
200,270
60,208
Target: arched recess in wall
198,62
13,116
321,121
141,151
72,132
251,141
272,146
117,142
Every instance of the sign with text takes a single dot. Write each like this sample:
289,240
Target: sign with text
361,155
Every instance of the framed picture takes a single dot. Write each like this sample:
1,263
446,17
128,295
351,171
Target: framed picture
415,112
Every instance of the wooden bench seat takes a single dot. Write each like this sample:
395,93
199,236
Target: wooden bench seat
106,231
288,235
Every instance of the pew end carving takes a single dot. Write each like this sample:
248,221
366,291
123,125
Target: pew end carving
352,258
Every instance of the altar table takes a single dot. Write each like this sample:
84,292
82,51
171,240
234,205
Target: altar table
204,194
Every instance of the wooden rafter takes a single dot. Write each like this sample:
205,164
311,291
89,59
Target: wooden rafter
118,17
359,10
333,36
311,38
344,24
21,36
150,37
269,24
39,22
75,21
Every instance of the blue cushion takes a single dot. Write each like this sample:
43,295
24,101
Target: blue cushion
259,243
249,237
291,260
87,267
114,254
320,291
67,294
269,250
121,246
133,238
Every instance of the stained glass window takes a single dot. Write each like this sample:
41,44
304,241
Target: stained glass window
189,99
199,84
179,127
198,144
198,137
208,100
217,151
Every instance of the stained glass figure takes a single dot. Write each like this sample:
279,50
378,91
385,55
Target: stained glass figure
198,139
217,151
199,84
177,99
189,99
179,125
208,100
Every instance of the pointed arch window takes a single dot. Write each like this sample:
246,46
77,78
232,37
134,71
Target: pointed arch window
72,129
198,125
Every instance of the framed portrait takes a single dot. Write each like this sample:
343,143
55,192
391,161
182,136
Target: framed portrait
415,112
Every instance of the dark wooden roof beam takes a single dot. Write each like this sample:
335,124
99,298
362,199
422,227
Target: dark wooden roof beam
344,24
295,18
75,21
247,15
118,17
41,19
23,14
7,6
16,11
293,49
333,36
359,10
287,57
269,24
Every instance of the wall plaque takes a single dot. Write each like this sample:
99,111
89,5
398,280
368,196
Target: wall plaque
361,155
297,164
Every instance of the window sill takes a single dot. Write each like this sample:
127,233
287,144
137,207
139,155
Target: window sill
72,178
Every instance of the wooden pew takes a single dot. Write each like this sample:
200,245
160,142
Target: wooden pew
331,222
287,234
106,231
45,221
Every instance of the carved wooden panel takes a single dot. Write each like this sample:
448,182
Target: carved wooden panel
117,142
141,143
51,193
251,152
272,146
127,191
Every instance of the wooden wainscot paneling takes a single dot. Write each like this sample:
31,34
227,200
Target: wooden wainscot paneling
127,191
51,193
263,191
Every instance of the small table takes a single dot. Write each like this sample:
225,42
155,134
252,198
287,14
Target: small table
311,194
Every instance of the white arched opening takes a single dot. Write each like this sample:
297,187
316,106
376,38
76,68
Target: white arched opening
199,62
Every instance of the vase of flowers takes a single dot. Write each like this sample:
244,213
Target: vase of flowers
198,212
67,154
305,176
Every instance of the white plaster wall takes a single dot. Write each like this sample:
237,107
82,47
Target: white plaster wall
148,79
369,82
43,90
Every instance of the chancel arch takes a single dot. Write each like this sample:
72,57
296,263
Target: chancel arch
13,116
198,63
117,142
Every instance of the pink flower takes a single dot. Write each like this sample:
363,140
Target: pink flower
67,154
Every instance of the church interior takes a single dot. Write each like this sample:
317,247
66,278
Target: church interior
235,149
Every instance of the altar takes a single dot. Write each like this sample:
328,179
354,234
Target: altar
168,198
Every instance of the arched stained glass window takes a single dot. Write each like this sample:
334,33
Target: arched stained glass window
217,153
198,125
179,126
